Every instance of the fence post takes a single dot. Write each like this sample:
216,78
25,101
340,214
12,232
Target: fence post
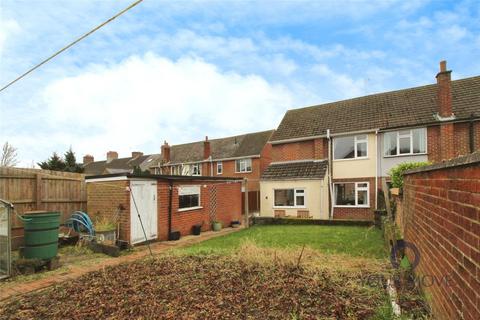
245,188
38,192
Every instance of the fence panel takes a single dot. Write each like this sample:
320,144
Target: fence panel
34,189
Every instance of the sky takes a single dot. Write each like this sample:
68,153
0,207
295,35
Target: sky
182,70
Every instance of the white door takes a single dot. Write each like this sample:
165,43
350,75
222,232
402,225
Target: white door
144,195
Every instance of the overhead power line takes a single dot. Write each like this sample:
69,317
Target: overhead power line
71,44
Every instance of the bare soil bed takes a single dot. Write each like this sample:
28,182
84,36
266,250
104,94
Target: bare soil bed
207,287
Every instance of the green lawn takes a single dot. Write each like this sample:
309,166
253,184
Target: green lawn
355,241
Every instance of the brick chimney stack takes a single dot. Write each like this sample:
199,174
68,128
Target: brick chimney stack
165,152
88,159
111,155
445,112
136,154
444,91
206,148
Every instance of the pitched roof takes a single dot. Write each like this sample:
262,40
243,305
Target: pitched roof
250,144
402,108
117,165
310,169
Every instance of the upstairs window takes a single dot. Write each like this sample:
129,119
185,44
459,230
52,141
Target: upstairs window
289,198
243,165
405,142
219,167
188,197
351,147
196,169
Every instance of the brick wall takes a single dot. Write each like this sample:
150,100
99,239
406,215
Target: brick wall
104,198
357,213
441,209
310,149
253,177
461,140
219,201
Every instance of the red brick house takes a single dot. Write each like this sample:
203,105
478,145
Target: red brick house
328,160
242,156
165,203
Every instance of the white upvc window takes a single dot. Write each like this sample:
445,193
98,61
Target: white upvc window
405,142
188,198
196,169
352,194
289,198
219,167
350,147
243,165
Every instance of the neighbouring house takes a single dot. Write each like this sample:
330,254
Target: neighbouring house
115,165
164,203
242,156
328,160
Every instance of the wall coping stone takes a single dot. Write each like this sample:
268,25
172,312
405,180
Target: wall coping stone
469,159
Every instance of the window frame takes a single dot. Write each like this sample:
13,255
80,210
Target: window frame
199,206
238,169
199,171
295,206
356,141
357,189
219,165
397,140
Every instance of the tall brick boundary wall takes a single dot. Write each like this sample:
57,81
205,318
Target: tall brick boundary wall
441,216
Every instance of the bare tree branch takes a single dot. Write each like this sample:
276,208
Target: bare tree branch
9,156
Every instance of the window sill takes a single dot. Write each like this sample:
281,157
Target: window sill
189,209
244,172
277,207
353,207
352,159
406,155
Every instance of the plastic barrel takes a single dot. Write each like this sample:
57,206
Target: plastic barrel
41,235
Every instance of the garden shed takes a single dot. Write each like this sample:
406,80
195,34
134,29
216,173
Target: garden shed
165,203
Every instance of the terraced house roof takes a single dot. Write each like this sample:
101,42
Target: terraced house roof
402,108
120,165
250,144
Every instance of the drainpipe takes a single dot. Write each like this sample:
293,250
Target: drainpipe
170,196
471,133
376,169
330,173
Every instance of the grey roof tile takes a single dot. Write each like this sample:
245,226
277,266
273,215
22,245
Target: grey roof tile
408,107
296,170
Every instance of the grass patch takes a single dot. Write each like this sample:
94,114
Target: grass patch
350,240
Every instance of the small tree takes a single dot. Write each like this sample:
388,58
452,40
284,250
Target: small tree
397,172
54,163
71,164
9,156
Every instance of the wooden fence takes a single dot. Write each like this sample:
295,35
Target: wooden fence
35,189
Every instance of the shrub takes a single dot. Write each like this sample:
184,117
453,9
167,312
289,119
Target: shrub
397,172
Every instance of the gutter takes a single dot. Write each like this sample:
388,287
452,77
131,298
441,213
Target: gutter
377,162
330,174
170,196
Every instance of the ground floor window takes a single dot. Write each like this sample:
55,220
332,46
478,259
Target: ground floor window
289,198
351,194
188,197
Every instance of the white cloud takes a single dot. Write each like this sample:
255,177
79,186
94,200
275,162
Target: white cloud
143,100
8,28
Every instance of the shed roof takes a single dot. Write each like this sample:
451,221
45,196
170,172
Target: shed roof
401,108
309,169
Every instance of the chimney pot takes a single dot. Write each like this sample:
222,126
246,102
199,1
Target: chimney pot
136,154
88,159
206,148
165,150
111,155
